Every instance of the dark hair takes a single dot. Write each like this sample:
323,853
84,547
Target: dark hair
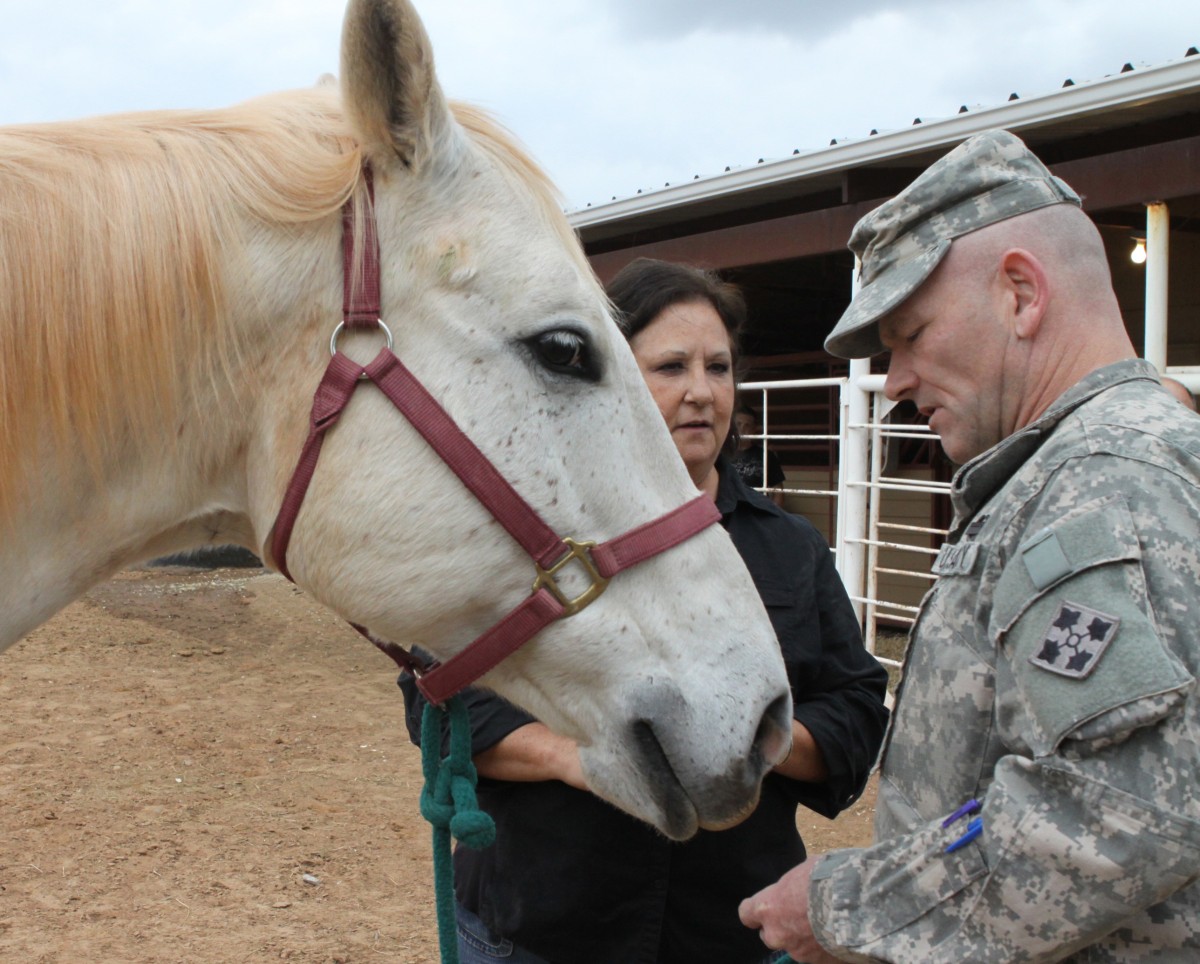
645,288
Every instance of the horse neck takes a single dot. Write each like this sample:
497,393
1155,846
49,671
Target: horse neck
82,522
184,486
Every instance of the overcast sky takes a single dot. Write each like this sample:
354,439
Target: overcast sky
611,96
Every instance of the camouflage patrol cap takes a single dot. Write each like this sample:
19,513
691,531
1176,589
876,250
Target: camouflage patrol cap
987,178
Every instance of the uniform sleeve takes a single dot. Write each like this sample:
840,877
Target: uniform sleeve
492,717
1092,818
1063,860
838,688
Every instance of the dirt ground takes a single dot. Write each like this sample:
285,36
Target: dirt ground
206,766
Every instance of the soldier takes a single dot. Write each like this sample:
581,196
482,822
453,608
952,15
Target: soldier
1037,798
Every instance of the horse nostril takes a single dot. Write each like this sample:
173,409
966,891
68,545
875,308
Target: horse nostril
650,749
773,740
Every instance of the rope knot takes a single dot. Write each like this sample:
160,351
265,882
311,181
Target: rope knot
448,798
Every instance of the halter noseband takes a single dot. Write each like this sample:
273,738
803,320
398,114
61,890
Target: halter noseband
550,553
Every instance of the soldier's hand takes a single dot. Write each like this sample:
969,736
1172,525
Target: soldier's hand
780,914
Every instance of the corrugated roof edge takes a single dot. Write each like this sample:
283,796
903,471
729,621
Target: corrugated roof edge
1083,97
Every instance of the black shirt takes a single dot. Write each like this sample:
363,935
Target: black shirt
749,465
576,881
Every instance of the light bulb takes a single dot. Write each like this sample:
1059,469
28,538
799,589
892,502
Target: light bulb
1138,254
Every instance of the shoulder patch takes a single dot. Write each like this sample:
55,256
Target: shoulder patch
1075,640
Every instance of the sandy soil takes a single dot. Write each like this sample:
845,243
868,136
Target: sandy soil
206,766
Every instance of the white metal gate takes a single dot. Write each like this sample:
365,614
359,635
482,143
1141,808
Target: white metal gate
862,535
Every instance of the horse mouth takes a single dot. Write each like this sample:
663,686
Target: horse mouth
678,792
679,813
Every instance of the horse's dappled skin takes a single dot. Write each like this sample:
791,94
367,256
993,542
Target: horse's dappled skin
169,283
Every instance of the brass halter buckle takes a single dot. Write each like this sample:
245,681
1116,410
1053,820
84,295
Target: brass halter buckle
578,551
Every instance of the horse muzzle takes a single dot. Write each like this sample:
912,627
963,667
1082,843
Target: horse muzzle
684,771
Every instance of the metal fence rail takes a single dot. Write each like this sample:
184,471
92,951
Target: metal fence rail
861,529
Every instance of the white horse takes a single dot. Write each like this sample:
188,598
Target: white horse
168,286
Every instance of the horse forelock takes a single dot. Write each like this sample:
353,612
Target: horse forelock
112,232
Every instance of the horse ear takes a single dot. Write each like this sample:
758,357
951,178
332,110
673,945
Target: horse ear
389,90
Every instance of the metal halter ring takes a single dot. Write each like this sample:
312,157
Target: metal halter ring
341,326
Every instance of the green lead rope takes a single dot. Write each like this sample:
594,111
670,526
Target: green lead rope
448,802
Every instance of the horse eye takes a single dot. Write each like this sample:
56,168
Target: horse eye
566,352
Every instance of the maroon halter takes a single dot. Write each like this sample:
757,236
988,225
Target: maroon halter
550,553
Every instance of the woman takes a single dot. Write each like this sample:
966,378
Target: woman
571,880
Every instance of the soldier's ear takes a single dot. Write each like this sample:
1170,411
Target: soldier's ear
1026,289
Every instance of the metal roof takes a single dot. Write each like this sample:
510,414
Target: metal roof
1135,95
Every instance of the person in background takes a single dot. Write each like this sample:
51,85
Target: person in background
572,880
1180,391
748,457
1037,797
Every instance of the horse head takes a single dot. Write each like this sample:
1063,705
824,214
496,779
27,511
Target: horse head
671,682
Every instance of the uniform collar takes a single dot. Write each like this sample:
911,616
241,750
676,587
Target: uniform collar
979,479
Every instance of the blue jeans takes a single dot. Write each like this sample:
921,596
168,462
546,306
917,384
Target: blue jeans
478,945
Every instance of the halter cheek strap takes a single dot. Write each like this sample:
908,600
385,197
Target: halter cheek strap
549,552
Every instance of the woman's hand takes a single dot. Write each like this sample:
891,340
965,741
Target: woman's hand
805,760
531,753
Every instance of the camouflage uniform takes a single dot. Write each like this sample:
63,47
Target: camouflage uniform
1050,676
1036,800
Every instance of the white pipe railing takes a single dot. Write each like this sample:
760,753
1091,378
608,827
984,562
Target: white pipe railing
1158,250
858,537
854,466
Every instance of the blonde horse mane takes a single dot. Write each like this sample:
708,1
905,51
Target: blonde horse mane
111,232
